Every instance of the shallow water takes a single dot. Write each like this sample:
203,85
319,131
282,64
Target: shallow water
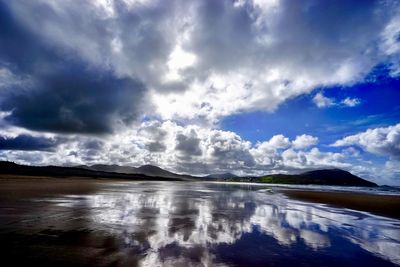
377,190
204,224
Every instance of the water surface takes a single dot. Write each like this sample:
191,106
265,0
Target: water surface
204,224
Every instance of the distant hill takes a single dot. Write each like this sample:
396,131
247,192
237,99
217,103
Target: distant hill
152,170
109,168
226,175
148,170
81,171
317,177
336,176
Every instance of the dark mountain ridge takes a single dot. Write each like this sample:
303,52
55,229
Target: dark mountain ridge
226,175
56,171
150,172
317,177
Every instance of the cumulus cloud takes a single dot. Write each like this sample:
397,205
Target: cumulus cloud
75,100
154,136
268,73
313,159
61,92
322,101
187,149
390,44
137,68
304,141
381,141
277,142
155,147
351,102
189,145
194,59
195,150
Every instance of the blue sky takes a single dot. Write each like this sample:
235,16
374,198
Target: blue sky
203,86
379,107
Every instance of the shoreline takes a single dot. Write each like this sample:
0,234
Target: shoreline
14,187
382,205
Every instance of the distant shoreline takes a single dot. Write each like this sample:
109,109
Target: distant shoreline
384,205
330,177
13,187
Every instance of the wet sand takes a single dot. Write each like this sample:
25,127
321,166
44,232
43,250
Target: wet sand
384,205
34,234
84,231
14,187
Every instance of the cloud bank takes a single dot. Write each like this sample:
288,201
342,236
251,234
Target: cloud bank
93,62
145,81
382,141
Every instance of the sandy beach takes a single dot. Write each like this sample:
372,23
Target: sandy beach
104,222
384,205
14,187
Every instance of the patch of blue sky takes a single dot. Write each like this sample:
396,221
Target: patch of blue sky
379,106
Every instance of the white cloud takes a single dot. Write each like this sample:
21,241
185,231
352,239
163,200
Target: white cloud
204,60
278,142
189,149
322,101
392,167
381,141
390,44
177,62
351,102
207,59
313,159
304,141
201,150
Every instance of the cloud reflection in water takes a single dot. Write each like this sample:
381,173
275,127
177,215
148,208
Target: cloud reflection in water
186,223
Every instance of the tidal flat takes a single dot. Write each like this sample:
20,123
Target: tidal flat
98,222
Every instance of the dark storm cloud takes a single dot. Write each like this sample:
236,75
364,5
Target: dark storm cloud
223,31
65,94
156,135
189,145
58,47
19,47
75,99
94,144
231,151
156,147
306,33
28,142
88,66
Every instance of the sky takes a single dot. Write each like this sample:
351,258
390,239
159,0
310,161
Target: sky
250,87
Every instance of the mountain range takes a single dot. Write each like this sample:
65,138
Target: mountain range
316,177
150,172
